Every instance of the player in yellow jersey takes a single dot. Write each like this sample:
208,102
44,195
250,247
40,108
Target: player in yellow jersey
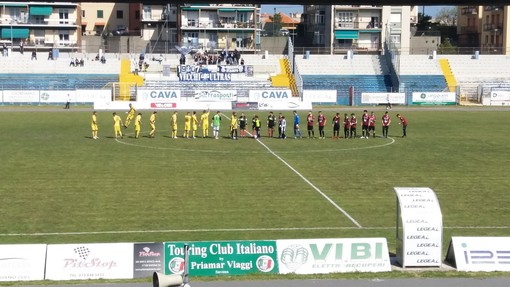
94,125
173,123
204,122
117,122
233,126
138,125
194,124
130,116
152,123
187,125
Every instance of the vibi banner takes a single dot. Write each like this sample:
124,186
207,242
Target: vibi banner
383,98
22,262
89,261
430,98
313,256
474,254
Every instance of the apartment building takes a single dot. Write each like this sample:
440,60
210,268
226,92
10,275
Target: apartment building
202,26
359,27
40,25
484,28
110,18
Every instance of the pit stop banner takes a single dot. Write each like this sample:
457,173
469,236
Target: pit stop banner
222,257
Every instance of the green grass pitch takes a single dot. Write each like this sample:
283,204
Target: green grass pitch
60,186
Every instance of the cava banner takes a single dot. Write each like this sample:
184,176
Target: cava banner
429,98
312,256
383,98
222,258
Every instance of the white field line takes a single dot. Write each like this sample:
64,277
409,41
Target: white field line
228,230
307,181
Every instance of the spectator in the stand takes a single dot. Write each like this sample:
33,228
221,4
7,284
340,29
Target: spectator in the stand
4,50
82,62
103,59
97,57
50,55
21,47
145,66
182,60
34,55
242,62
72,63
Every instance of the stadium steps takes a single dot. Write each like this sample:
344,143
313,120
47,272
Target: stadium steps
126,80
286,78
448,75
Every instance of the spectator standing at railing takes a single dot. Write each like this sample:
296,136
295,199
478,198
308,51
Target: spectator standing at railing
21,47
4,50
34,55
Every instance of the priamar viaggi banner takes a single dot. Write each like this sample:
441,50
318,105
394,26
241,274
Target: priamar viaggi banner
222,257
432,98
312,256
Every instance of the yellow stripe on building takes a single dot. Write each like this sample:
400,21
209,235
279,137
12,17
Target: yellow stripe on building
448,74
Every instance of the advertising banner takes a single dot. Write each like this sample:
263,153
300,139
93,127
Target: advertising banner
215,95
22,262
500,98
430,98
480,254
56,96
312,256
383,98
420,242
245,106
148,258
319,96
160,96
193,73
222,257
271,95
89,261
14,96
90,96
285,106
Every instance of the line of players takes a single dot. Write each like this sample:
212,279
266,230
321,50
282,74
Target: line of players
191,124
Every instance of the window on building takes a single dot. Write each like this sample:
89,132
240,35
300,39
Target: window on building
100,14
147,12
83,13
120,14
345,19
63,16
63,37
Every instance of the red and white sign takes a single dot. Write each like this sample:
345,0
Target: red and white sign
89,261
22,262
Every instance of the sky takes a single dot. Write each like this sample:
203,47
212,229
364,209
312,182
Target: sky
286,9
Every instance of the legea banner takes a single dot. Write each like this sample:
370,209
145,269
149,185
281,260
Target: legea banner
311,256
22,262
222,257
89,261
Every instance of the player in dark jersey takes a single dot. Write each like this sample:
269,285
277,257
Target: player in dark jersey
386,121
280,119
371,124
403,122
271,121
364,124
309,124
321,119
336,126
242,125
347,126
353,123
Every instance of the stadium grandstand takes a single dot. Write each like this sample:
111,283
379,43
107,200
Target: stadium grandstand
348,74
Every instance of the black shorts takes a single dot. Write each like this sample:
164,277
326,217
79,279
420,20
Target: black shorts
364,127
371,128
270,125
336,127
310,128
